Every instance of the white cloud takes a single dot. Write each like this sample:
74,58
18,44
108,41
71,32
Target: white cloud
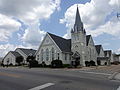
33,36
111,27
117,51
93,15
5,48
30,12
7,27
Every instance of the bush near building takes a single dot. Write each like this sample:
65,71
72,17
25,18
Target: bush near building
19,60
56,64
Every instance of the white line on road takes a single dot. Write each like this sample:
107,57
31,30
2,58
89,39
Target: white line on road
95,73
42,86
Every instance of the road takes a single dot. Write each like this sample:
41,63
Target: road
53,79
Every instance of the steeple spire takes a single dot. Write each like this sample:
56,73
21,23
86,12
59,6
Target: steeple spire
78,26
77,18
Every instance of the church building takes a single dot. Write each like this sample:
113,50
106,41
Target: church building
80,47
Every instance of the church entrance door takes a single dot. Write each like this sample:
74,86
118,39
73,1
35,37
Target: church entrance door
76,59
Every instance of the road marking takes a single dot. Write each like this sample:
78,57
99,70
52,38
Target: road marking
95,73
10,75
42,86
118,88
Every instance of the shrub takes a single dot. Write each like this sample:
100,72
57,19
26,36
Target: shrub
92,63
33,63
29,58
56,64
10,64
116,62
87,63
75,63
19,60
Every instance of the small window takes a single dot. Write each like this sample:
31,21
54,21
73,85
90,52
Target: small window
42,55
47,54
69,57
37,57
53,52
65,56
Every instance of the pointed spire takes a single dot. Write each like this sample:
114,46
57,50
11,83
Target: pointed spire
77,19
78,26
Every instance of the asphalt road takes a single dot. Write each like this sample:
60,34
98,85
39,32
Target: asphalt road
53,79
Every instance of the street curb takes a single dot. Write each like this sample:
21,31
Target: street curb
112,77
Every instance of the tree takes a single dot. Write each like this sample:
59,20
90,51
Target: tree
32,61
29,58
19,60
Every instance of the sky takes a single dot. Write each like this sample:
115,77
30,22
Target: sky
24,23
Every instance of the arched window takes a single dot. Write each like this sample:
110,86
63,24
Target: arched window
58,55
47,54
42,55
53,52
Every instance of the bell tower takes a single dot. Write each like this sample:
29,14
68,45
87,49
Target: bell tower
78,39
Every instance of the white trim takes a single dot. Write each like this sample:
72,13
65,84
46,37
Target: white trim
13,55
21,52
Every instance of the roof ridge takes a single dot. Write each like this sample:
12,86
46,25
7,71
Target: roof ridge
57,36
25,49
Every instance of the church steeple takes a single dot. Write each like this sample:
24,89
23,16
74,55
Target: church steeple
78,26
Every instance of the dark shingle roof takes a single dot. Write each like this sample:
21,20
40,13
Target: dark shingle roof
63,44
28,51
98,47
87,39
16,54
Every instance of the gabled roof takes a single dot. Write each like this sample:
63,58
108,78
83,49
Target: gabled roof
87,39
107,52
16,54
27,51
98,48
63,44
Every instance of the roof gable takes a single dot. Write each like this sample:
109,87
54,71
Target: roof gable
16,54
98,48
107,52
63,44
27,51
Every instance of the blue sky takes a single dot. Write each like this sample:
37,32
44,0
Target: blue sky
24,25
